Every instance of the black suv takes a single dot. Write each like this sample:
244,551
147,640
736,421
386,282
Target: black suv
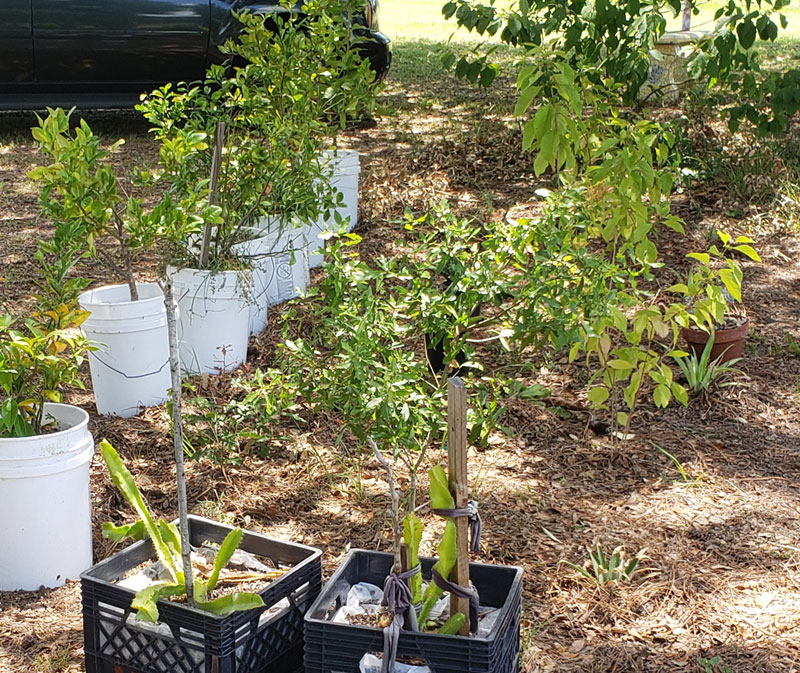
104,53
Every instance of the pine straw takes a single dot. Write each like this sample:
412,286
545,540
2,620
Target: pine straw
722,547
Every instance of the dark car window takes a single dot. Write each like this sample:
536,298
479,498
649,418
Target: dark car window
119,40
16,41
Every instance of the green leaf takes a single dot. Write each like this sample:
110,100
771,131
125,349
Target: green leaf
747,33
620,364
171,536
732,283
702,257
680,288
412,536
680,393
124,482
662,395
235,602
581,569
448,554
535,391
229,545
441,498
144,602
525,98
748,251
134,531
598,395
452,626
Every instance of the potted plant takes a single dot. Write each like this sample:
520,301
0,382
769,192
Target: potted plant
267,115
238,629
354,94
83,198
141,618
709,293
353,618
45,446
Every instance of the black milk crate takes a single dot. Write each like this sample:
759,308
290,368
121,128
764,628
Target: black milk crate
338,648
187,640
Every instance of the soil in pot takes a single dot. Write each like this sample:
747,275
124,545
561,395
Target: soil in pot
244,572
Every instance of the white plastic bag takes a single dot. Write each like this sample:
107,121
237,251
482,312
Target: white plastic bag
371,664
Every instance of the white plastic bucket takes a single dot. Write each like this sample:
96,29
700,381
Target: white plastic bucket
253,251
130,368
284,260
316,245
343,168
213,318
346,166
45,505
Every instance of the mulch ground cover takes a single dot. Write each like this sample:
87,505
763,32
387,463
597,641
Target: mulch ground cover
718,589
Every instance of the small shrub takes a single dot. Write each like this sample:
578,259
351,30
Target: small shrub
703,373
604,569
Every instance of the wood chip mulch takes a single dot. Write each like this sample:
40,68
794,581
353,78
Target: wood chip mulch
720,575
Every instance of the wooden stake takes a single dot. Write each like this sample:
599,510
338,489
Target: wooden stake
177,436
216,166
459,488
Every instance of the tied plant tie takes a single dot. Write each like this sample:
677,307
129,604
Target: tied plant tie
475,524
461,592
397,598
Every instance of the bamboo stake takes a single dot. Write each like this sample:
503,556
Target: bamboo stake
459,488
216,165
177,436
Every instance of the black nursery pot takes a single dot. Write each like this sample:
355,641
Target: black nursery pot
187,640
338,648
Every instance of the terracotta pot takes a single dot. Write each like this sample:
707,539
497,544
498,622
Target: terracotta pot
729,343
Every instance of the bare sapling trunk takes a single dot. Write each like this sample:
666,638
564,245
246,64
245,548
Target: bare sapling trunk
395,496
177,436
216,166
127,261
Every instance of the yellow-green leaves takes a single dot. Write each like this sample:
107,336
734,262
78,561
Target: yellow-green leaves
441,498
598,395
145,601
165,538
123,480
133,531
448,555
229,545
453,624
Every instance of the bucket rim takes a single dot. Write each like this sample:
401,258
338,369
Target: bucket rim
83,297
53,407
